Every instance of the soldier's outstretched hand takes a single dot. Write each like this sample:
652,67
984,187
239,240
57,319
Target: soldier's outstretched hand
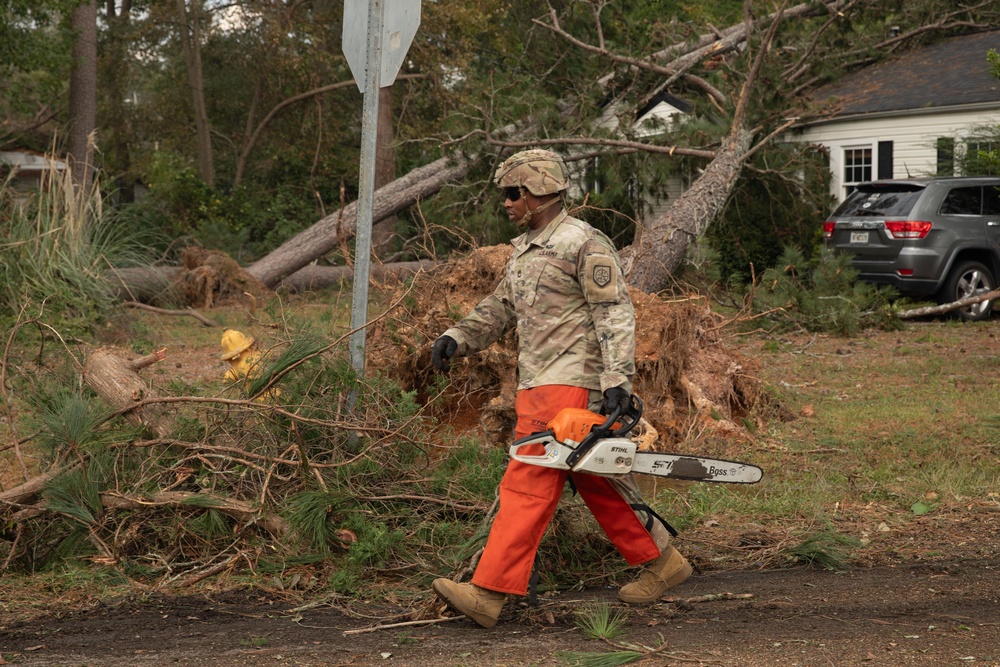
444,348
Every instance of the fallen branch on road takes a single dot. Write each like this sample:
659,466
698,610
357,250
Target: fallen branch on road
712,597
948,307
388,626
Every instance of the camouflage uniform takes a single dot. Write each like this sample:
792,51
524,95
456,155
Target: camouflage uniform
565,291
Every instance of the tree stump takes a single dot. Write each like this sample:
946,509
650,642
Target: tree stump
117,381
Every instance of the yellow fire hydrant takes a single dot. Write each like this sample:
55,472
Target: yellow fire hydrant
242,354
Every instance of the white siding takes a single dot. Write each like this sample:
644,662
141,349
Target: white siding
914,139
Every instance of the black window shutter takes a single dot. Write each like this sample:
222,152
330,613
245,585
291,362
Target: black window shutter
885,159
945,156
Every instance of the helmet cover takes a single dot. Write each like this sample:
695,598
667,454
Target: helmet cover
538,171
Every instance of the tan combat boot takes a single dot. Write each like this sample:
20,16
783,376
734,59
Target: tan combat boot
481,605
670,569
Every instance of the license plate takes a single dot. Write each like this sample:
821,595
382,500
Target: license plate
859,237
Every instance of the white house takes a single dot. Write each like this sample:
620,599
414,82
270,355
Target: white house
658,114
909,116
24,171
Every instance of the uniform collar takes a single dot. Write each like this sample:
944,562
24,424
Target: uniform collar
538,237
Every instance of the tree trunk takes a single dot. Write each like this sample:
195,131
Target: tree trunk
155,285
117,381
115,64
27,492
337,228
190,34
83,94
663,240
319,277
385,171
149,284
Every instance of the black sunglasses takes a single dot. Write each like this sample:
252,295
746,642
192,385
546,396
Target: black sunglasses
512,193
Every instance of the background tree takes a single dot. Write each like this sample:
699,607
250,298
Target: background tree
115,80
190,37
479,81
34,67
82,120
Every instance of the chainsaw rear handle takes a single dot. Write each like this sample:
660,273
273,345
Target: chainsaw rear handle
601,431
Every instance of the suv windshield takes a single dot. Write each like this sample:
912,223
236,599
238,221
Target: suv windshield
883,201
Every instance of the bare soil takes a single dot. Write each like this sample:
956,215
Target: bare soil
934,614
926,593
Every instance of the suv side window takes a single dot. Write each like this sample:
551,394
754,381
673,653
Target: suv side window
991,200
963,201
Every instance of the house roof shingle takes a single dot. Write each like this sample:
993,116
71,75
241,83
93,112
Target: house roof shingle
952,72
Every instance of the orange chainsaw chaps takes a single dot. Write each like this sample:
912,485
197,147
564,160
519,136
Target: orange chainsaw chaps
529,495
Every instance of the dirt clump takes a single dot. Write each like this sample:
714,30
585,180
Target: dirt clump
213,278
691,383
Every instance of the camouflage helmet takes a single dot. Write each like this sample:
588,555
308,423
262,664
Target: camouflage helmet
538,171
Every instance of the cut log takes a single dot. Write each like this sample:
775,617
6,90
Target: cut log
237,509
116,380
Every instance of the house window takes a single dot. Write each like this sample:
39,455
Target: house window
857,167
977,156
945,156
976,146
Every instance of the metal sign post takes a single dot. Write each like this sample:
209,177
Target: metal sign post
388,31
366,184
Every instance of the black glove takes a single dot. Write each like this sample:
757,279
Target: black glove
444,348
616,397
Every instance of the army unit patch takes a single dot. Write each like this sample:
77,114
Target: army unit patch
600,279
602,275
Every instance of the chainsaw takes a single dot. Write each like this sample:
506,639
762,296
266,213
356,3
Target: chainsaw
583,441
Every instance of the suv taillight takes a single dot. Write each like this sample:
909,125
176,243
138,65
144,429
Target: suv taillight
908,229
828,229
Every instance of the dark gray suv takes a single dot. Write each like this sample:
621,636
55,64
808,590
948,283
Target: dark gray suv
933,238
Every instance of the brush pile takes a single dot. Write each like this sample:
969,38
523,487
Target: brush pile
305,471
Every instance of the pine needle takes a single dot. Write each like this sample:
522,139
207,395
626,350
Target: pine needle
598,621
296,351
594,659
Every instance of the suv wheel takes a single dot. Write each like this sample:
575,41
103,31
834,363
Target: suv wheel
967,279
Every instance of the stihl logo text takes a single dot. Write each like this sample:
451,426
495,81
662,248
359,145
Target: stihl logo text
620,450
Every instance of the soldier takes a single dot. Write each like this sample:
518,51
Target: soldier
565,292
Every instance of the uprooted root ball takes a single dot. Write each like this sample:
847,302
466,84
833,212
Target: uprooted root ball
692,385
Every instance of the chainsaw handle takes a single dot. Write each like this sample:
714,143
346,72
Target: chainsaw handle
600,431
634,413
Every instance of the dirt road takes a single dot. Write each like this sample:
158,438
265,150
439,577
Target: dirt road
935,614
